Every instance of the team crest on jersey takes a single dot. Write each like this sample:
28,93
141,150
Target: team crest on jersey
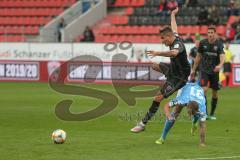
215,48
176,46
205,47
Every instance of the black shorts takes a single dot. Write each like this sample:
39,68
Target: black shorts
171,86
213,79
227,67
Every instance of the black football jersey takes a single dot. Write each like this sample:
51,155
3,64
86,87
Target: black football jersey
179,65
210,54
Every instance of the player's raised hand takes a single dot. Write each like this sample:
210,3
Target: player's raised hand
151,53
175,11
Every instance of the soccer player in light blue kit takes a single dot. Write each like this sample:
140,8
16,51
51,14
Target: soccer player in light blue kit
191,96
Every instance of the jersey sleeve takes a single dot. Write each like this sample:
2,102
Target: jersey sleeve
200,48
178,46
220,48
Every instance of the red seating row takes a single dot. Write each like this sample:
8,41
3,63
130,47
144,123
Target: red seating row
155,30
130,30
30,11
24,20
232,19
16,38
135,39
23,17
32,30
118,20
35,3
129,11
128,3
199,29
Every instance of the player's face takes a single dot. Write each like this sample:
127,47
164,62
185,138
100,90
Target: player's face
166,39
211,34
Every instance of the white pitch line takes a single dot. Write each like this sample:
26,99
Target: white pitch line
209,158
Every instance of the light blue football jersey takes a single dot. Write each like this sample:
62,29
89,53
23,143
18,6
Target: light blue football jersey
190,92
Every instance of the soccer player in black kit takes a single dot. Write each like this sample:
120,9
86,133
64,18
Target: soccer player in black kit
211,58
177,71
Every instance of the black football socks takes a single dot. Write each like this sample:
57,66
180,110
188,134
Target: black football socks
151,112
214,105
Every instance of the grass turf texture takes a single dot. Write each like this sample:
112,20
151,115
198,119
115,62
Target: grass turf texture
27,120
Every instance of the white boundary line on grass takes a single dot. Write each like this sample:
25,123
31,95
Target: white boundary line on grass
209,158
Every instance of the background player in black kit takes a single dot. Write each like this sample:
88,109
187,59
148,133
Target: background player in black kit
211,59
193,53
177,71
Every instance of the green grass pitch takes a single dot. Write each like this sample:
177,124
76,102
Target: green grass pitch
27,120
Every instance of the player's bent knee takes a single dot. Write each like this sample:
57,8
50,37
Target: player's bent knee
158,98
155,67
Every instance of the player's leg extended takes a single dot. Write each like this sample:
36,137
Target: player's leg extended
195,119
204,78
214,104
163,68
151,112
169,124
168,89
154,107
193,110
205,95
202,125
214,84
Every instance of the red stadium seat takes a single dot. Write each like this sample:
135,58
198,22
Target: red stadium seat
221,30
120,30
155,39
135,30
203,29
29,15
119,3
129,11
195,29
187,29
126,3
181,29
231,19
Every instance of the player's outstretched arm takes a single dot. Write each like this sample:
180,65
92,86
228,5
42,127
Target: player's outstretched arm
202,133
222,60
173,20
196,63
171,53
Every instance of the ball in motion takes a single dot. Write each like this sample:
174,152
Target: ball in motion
59,136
